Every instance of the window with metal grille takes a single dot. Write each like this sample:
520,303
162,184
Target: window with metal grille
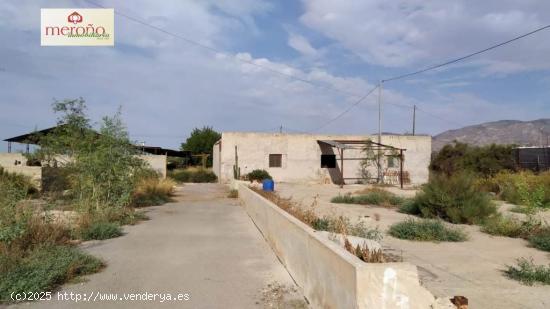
275,160
328,161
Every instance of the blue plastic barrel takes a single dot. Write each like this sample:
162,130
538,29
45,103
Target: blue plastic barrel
268,185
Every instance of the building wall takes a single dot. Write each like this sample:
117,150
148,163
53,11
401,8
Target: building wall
8,159
157,162
216,151
301,155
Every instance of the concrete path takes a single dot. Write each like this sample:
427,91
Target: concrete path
204,245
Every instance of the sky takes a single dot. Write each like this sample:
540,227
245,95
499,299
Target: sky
165,86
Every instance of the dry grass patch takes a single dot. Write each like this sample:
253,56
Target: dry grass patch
153,191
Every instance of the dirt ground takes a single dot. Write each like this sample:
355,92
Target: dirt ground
473,268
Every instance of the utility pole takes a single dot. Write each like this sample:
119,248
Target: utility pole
380,112
379,131
414,119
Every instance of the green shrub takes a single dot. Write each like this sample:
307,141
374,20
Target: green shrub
454,199
371,197
480,160
343,199
13,183
426,230
321,224
46,268
194,175
258,175
503,226
527,272
522,188
531,230
541,239
409,207
101,230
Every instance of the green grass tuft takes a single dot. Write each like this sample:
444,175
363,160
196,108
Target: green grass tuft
527,272
101,230
541,240
426,230
372,197
194,175
45,269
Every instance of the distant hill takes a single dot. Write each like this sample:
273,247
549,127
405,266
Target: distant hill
524,133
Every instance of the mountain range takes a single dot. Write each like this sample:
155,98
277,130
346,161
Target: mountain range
522,133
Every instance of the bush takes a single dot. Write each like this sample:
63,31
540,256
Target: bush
44,269
195,175
258,175
100,230
426,230
502,226
527,272
541,239
454,199
409,207
153,191
371,197
523,188
13,183
480,160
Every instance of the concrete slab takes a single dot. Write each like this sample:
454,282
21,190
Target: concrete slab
204,245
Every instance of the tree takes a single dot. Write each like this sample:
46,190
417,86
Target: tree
201,141
375,156
481,160
103,168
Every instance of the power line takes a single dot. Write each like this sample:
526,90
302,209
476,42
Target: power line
433,67
329,87
216,50
347,109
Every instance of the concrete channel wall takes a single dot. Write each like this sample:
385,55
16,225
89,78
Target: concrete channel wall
330,276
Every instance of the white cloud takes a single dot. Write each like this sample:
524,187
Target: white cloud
301,44
419,32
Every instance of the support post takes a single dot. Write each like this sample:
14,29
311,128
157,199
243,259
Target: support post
414,119
9,147
342,167
379,131
401,168
27,148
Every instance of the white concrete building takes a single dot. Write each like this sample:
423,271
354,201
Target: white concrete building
318,158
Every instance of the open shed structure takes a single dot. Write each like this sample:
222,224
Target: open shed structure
156,157
33,138
365,146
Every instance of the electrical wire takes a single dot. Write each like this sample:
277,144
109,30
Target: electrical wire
329,87
433,67
347,109
219,51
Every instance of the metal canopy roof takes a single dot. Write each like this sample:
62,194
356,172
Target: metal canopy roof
353,144
33,138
